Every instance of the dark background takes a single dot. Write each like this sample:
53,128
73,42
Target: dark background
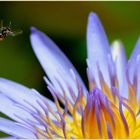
65,23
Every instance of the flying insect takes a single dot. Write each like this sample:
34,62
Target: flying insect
7,31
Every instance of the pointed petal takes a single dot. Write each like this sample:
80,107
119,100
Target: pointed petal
23,96
54,62
119,57
133,59
135,64
97,47
14,129
136,51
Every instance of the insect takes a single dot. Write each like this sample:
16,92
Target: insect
7,31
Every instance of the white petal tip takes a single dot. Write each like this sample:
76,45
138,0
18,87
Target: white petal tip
117,48
117,44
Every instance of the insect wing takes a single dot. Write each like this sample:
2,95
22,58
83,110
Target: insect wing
14,33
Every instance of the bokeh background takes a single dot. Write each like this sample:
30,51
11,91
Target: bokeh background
65,23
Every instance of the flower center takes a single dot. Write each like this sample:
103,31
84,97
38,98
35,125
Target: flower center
97,117
103,118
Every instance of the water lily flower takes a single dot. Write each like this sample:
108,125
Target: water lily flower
109,108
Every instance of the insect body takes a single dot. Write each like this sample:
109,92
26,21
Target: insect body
6,31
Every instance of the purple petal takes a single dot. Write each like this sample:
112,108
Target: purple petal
9,108
119,57
20,94
23,96
136,50
54,62
98,48
134,67
134,59
13,129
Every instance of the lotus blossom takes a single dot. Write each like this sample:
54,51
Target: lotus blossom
108,108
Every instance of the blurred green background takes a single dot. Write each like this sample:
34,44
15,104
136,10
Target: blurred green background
65,23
